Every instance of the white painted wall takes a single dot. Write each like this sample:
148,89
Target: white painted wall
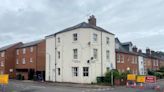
141,65
85,52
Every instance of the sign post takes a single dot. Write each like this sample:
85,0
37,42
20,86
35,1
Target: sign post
4,79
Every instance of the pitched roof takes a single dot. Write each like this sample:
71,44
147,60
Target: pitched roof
31,43
81,25
8,46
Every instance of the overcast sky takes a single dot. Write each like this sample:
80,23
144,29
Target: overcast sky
139,21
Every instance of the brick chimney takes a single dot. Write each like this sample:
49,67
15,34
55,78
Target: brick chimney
148,51
139,51
92,20
152,52
135,49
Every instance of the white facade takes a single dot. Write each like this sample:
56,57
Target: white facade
72,56
141,65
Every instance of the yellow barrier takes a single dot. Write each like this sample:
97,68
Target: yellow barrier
4,79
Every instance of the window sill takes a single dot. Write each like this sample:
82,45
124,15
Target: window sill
76,60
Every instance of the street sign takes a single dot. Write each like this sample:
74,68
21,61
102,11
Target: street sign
150,79
4,79
141,79
131,77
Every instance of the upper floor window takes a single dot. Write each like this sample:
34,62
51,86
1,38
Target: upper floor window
17,51
58,39
2,63
85,71
75,37
23,61
17,61
24,50
94,37
122,58
107,55
31,60
95,53
58,54
31,49
118,58
59,71
75,54
107,40
2,54
75,71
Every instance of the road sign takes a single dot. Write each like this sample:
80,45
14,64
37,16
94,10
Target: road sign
131,77
4,79
141,79
150,79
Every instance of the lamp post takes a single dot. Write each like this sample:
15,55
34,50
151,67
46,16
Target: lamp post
128,69
111,74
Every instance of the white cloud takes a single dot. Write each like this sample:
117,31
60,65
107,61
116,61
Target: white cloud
135,20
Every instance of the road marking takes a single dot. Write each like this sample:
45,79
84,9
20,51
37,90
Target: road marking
98,90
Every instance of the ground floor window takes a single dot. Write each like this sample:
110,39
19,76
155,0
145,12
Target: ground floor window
58,71
75,71
85,71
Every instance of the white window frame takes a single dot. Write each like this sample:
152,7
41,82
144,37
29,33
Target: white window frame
2,63
3,54
58,39
118,58
17,51
31,49
59,55
107,40
23,61
75,37
24,50
31,60
95,54
108,55
17,61
59,71
122,58
75,71
85,71
95,37
75,53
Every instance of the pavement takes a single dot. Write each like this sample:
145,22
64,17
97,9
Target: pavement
32,86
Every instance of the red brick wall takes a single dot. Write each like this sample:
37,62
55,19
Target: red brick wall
127,62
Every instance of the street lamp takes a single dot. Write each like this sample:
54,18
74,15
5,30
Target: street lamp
128,69
111,74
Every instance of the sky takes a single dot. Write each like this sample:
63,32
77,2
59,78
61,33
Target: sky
138,21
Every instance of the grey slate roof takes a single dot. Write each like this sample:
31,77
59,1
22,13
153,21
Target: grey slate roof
8,46
31,43
81,25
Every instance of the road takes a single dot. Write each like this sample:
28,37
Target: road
21,86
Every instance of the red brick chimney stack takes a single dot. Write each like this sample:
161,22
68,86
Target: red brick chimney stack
92,20
135,49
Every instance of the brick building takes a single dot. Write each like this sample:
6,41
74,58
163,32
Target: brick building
30,59
7,59
126,57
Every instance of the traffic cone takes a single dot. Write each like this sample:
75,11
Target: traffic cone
134,85
141,86
127,84
157,88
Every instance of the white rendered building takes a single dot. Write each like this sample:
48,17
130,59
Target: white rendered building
80,53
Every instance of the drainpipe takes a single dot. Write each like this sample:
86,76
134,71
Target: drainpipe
101,57
55,58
